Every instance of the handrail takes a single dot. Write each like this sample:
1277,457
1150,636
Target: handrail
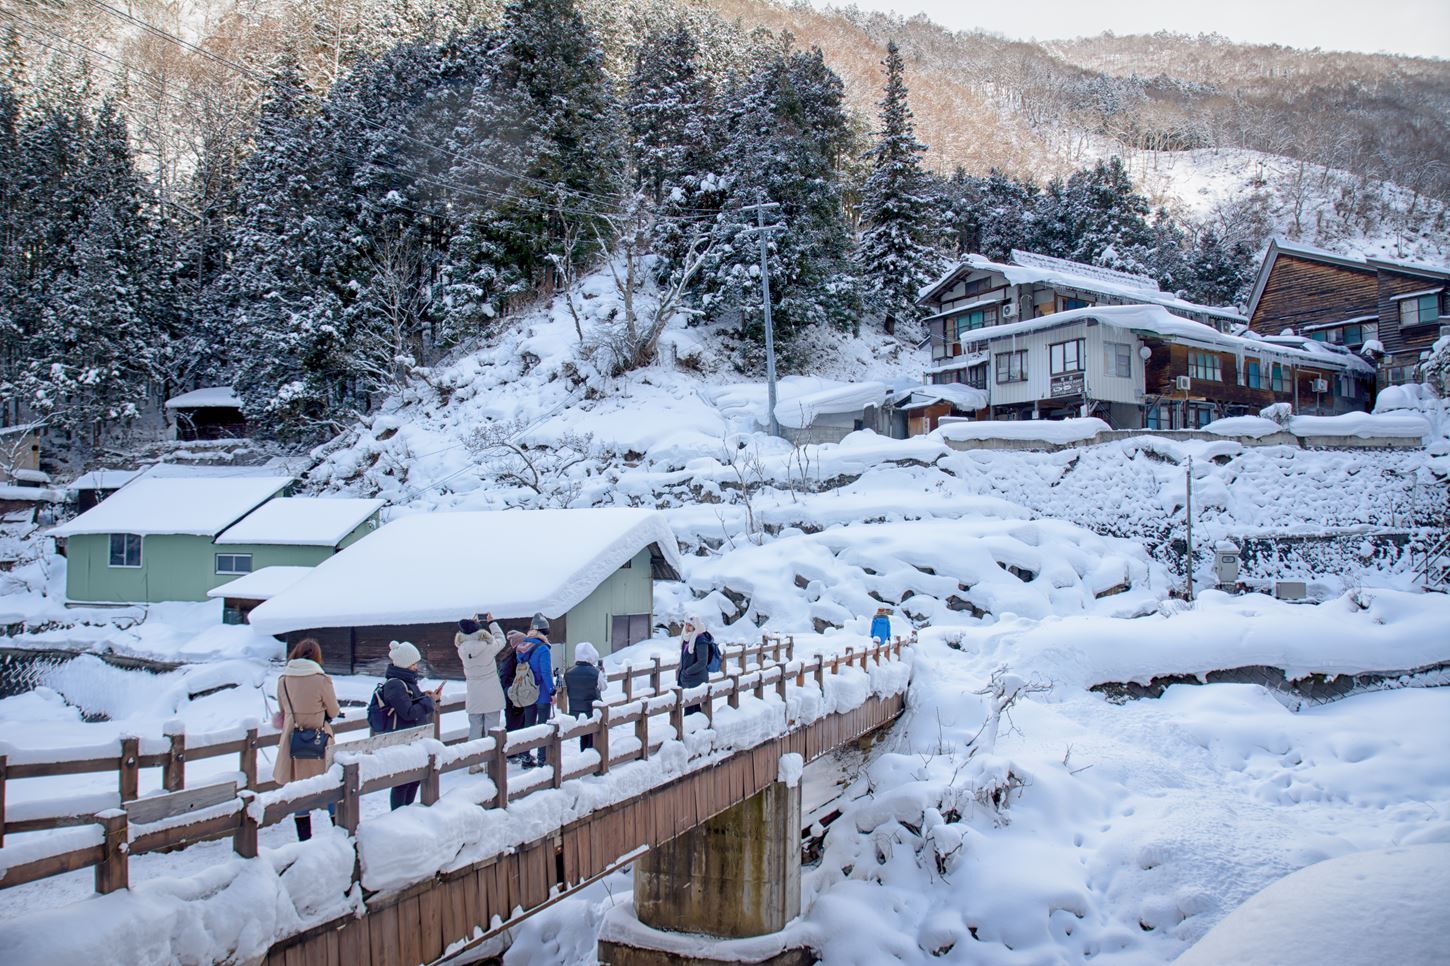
253,809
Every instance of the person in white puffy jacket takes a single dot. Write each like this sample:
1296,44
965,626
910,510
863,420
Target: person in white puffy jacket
478,649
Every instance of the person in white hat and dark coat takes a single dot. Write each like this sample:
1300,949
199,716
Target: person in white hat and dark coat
584,685
410,704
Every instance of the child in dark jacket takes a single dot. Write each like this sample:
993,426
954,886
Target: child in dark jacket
584,684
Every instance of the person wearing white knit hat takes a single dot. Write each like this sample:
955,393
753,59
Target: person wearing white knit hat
408,703
584,685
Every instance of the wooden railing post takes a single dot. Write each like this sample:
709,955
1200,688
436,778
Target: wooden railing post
112,873
2,799
760,681
709,705
734,691
349,810
556,753
244,842
821,672
430,789
800,675
498,767
130,771
173,773
641,732
437,722
628,684
248,758
677,714
601,741
780,684
654,676
790,647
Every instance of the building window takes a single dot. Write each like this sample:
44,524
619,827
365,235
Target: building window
1065,303
1421,310
1199,415
1252,378
1279,378
1205,365
1065,357
125,550
1118,359
233,563
1012,366
976,376
975,319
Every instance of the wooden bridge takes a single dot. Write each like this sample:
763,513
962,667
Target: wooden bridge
464,906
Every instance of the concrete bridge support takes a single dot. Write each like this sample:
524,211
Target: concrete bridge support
734,876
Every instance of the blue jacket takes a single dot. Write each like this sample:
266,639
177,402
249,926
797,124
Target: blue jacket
539,661
881,628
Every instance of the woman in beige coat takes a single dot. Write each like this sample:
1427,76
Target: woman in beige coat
307,699
478,649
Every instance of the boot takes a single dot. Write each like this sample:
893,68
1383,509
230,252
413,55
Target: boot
304,827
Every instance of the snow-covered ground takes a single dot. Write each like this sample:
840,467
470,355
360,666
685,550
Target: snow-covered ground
1064,828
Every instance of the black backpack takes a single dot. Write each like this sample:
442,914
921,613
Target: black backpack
381,718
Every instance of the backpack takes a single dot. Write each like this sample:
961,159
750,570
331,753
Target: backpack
525,690
715,656
381,718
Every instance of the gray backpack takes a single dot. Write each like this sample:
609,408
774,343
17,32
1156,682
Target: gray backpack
525,690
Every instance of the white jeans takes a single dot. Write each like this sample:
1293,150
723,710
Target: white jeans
479,724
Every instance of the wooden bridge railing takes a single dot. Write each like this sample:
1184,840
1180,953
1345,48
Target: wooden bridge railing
187,816
172,752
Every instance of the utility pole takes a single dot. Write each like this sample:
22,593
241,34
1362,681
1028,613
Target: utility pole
765,231
1188,518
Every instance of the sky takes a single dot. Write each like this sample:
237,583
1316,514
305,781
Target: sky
1418,27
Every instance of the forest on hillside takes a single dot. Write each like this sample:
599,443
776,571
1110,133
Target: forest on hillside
318,205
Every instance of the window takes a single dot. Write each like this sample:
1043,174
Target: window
1205,365
1252,378
1066,303
1199,415
976,376
233,563
1321,336
976,319
1421,310
1065,357
1118,359
1279,378
125,550
1012,366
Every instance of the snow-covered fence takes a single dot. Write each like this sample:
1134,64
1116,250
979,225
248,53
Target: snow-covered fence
185,816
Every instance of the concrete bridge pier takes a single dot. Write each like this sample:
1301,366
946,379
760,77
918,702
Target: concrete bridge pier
735,876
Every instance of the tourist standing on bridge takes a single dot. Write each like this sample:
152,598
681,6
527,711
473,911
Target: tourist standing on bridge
881,626
479,647
696,647
409,703
309,703
508,661
584,684
533,657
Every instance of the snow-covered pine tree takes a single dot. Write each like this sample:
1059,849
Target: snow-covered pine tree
897,252
1218,272
668,108
1095,210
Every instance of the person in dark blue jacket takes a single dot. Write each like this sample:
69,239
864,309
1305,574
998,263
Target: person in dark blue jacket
533,652
583,683
881,625
410,704
695,644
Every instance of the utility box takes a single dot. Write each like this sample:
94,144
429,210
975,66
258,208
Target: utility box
1291,589
1226,564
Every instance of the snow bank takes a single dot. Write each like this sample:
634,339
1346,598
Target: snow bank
1365,909
1254,427
1399,426
798,412
1059,431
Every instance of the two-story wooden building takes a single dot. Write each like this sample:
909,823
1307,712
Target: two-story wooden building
1393,310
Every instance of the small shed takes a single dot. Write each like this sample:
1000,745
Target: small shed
239,597
831,412
91,488
20,452
152,540
921,408
213,412
591,572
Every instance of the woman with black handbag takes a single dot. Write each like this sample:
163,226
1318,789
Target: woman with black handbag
308,703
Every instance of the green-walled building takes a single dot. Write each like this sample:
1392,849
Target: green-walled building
175,539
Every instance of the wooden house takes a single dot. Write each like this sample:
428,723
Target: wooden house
591,572
1393,311
213,412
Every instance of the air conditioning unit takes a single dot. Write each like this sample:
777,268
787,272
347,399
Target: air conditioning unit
1319,385
1183,383
1009,309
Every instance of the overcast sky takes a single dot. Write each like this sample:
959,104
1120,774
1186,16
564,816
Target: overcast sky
1420,27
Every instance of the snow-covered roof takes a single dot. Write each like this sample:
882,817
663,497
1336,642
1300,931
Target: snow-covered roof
104,479
193,471
1029,267
261,584
32,477
798,412
203,507
960,396
19,428
961,362
210,397
1156,320
436,567
301,521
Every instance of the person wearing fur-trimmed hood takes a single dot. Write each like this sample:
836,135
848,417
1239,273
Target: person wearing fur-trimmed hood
695,645
479,647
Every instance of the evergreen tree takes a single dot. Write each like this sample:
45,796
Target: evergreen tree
1218,272
1095,211
669,108
896,255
